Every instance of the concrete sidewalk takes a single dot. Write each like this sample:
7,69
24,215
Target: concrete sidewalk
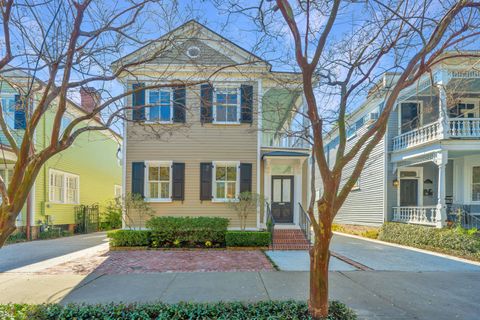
374,295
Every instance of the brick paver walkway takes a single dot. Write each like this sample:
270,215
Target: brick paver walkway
123,262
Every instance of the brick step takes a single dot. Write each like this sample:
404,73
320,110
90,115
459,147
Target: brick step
292,241
296,236
290,247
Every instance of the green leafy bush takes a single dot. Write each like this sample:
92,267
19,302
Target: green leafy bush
129,238
17,237
455,239
53,233
187,231
247,238
233,310
111,218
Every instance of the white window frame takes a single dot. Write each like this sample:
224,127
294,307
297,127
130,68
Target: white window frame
147,182
214,180
65,176
239,98
147,108
8,115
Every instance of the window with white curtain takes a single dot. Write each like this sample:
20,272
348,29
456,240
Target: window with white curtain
64,187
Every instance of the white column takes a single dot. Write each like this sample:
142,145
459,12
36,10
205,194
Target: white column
441,212
443,112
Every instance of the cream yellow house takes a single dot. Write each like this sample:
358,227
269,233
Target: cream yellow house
222,123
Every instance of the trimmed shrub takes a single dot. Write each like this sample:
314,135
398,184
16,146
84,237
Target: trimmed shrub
187,231
53,234
420,236
247,238
129,238
232,310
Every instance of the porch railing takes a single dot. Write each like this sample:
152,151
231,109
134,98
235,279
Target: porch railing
280,139
305,223
417,215
270,223
418,136
464,127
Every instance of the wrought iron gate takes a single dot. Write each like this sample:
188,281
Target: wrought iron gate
87,218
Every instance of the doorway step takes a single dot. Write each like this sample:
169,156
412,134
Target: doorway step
289,239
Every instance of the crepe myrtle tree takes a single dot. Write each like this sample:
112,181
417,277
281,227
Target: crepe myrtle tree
59,47
342,49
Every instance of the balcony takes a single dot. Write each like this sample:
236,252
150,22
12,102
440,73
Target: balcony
279,139
466,128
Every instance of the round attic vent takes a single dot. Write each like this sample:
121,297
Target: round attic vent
193,52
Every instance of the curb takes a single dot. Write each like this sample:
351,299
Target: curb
442,255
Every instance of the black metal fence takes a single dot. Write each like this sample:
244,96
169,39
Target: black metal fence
87,218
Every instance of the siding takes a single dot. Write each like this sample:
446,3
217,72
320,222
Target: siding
192,144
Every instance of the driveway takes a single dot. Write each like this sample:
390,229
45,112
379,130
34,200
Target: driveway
19,255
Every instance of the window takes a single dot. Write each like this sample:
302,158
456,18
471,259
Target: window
226,182
476,184
351,132
159,181
64,187
159,105
226,106
8,106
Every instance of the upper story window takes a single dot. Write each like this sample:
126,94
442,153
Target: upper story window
8,106
159,105
64,187
226,182
410,113
226,108
158,182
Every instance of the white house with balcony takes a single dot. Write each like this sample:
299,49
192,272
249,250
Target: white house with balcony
426,169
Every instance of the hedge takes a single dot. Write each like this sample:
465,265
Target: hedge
234,310
420,236
247,238
187,231
129,238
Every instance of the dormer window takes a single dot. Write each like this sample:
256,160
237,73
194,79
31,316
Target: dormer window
226,108
159,106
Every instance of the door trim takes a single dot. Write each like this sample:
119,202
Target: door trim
292,195
419,177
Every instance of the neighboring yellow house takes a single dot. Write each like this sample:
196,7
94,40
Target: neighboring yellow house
190,149
87,173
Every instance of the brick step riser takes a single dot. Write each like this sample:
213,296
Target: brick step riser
287,241
290,248
288,237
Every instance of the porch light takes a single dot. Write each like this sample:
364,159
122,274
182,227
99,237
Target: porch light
395,183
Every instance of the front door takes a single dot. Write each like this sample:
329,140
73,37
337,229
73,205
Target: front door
409,192
282,199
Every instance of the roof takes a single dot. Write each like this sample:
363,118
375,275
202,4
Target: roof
285,154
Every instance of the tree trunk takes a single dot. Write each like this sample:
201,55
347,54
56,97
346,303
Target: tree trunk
7,225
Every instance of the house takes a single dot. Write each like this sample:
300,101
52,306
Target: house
218,127
427,166
87,173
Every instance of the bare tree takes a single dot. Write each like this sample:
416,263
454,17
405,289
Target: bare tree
342,49
58,48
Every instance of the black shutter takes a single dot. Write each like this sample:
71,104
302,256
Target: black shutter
178,181
179,104
206,181
245,177
20,120
246,93
138,99
206,103
138,177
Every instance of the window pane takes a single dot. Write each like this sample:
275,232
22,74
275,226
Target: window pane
232,98
476,192
277,190
165,191
221,113
221,98
286,190
153,173
154,97
232,114
220,190
231,173
220,173
153,190
476,175
165,113
154,113
165,97
164,173
231,186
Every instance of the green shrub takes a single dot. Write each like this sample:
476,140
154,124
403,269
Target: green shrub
372,234
53,234
247,238
421,236
111,218
129,238
187,231
232,310
17,237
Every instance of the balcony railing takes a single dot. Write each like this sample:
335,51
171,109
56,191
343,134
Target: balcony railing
279,139
456,128
417,215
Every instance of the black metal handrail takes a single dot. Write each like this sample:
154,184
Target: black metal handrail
305,224
270,223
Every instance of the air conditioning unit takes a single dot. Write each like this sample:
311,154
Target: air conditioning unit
372,117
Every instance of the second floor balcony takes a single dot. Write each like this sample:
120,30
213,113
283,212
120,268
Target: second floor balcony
282,139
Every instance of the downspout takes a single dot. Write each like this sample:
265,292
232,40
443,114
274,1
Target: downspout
29,211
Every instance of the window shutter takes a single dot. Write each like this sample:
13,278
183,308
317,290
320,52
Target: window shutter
245,177
138,99
178,181
179,104
20,121
206,103
138,177
246,93
206,181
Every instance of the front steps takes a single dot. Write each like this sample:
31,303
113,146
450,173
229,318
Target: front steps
289,239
